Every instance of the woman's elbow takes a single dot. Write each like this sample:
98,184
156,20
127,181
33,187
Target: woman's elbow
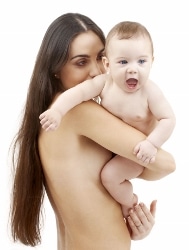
171,166
167,167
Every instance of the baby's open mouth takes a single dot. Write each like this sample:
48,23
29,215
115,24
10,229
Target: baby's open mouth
131,83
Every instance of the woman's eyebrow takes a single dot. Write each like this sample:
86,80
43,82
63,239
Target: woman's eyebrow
82,55
87,56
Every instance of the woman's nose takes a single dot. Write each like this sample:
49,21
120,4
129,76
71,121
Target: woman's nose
96,69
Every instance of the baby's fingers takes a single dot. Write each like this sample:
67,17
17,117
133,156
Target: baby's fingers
41,116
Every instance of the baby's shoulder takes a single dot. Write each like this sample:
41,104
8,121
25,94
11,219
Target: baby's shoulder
153,91
151,86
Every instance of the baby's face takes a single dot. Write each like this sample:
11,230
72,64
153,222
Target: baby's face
130,60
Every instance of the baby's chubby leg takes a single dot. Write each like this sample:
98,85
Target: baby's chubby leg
115,177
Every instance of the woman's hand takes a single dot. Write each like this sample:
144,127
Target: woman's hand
141,220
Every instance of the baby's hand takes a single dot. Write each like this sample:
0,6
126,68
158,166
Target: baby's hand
145,151
50,119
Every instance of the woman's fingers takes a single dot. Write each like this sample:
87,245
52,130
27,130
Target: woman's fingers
141,220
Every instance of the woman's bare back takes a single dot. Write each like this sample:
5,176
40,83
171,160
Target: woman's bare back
82,204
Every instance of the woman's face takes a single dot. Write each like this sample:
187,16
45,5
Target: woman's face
85,60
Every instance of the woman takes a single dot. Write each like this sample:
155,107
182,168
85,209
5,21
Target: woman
67,163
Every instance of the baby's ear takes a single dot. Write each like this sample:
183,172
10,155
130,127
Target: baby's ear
105,62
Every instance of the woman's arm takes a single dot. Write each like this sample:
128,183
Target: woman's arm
93,121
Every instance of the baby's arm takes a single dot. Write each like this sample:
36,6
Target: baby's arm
51,118
161,109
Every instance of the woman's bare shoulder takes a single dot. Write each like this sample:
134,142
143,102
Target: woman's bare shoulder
90,112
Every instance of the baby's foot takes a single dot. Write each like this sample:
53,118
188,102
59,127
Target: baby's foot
125,208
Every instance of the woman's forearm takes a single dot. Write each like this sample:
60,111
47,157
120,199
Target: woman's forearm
99,125
163,166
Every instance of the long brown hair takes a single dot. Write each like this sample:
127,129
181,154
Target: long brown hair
28,180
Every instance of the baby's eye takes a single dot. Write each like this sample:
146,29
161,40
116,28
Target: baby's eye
123,62
141,61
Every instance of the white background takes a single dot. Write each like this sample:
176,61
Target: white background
22,26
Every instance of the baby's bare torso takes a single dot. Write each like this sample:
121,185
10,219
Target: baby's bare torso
132,108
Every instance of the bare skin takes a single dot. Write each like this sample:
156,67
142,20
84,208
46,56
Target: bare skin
128,93
73,156
76,151
87,207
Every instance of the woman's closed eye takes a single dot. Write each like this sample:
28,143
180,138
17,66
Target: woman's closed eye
82,62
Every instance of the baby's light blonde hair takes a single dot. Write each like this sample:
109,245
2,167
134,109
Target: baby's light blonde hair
128,30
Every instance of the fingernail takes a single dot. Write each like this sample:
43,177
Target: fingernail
131,211
136,207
